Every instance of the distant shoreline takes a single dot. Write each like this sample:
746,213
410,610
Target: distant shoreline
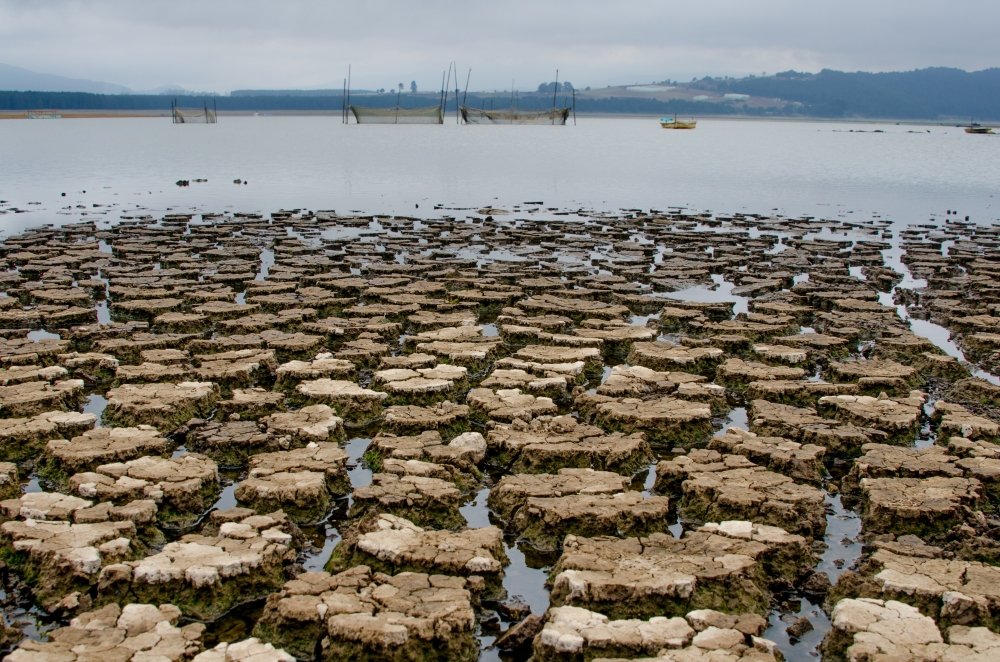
83,113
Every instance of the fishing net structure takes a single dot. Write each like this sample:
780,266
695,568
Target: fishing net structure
426,115
203,115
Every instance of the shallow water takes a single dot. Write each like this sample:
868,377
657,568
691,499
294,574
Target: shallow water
103,167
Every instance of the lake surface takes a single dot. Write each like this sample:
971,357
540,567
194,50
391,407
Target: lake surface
903,172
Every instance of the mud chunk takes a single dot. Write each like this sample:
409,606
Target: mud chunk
355,404
22,438
164,406
466,451
547,444
430,502
312,423
360,614
390,544
182,487
207,575
65,555
508,405
301,482
926,507
448,418
231,443
665,421
898,418
883,629
716,487
728,566
132,632
252,403
799,461
101,446
422,385
31,398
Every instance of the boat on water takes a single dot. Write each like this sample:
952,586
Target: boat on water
976,127
397,115
483,116
668,123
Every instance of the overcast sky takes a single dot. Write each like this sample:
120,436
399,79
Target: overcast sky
220,45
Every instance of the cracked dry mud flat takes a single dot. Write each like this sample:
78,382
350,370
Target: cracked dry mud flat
613,436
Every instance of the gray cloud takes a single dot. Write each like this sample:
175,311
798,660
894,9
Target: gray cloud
224,44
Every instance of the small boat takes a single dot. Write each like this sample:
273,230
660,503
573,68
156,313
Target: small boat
976,127
675,123
556,116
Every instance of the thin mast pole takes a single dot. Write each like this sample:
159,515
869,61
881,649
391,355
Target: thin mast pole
555,89
348,90
444,109
343,104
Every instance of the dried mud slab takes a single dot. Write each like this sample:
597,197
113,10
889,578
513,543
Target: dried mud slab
100,446
928,507
950,590
249,650
543,522
63,542
133,632
875,375
715,487
737,374
898,418
207,575
426,501
324,366
796,392
251,403
870,629
365,615
10,485
23,439
164,406
665,421
804,425
512,492
392,544
576,633
302,482
422,385
802,462
357,405
729,566
448,418
507,405
313,423
547,444
183,488
25,399
465,452
954,420
232,443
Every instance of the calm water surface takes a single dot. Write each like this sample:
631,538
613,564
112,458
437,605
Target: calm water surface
906,173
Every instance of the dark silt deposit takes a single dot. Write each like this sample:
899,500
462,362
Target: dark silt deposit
487,436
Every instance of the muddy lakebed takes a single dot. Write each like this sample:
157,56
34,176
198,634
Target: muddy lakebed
645,434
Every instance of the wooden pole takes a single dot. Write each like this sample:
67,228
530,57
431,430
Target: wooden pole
348,90
554,90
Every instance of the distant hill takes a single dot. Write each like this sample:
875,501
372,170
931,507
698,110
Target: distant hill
16,78
926,94
936,93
